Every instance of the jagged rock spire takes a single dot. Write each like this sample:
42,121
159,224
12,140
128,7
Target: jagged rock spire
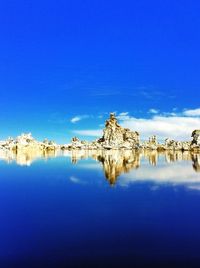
115,135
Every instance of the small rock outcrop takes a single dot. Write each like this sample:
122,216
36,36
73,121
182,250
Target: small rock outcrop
151,144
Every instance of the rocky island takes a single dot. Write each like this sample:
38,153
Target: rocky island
115,137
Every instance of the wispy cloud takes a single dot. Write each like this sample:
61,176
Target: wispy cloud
153,111
75,119
78,118
123,116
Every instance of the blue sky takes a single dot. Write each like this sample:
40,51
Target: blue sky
62,59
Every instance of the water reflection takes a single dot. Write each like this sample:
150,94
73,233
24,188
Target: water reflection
196,162
26,158
115,163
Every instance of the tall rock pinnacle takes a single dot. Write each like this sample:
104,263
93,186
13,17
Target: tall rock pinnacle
116,136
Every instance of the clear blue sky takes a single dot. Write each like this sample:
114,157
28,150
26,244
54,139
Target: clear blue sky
62,59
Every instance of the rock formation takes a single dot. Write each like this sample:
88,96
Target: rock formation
76,143
25,142
115,136
195,138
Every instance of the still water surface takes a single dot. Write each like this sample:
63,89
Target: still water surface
100,209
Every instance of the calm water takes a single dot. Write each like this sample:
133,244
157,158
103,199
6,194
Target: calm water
100,209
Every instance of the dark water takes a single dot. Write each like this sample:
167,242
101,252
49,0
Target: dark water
100,209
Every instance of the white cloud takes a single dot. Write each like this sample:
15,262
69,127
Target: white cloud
153,111
172,125
193,112
123,116
78,118
75,119
176,127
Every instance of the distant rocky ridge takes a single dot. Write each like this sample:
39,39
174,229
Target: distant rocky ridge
115,137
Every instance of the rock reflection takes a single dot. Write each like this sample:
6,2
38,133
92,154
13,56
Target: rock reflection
152,157
114,162
196,162
25,158
117,162
173,156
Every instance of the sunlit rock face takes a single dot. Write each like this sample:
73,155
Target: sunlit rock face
76,143
115,136
196,137
151,144
176,145
26,143
195,144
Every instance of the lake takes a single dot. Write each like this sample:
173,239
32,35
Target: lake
100,209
